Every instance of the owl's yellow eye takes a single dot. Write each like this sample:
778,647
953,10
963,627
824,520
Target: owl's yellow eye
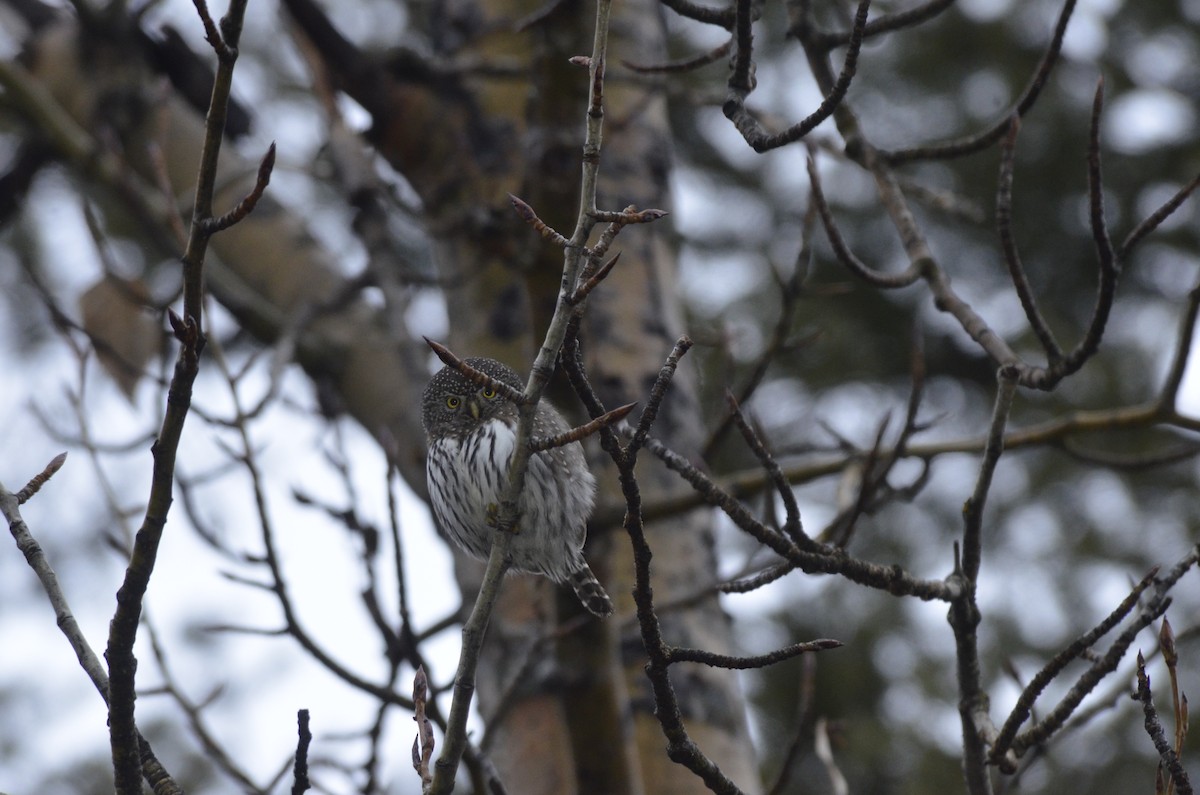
453,401
488,392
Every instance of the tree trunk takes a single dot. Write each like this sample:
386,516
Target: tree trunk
500,281
569,712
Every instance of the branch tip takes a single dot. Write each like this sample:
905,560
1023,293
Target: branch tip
35,484
483,379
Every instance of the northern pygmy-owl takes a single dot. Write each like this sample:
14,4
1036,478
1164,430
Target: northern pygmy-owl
472,435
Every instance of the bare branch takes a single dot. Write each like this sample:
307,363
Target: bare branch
124,626
1011,257
1106,663
684,65
844,255
1152,221
741,84
530,217
985,138
721,17
675,655
247,205
893,579
151,768
1154,728
592,281
887,23
583,431
657,393
507,392
1024,706
422,749
680,747
300,783
37,481
964,616
1109,270
973,510
793,525
756,581
629,215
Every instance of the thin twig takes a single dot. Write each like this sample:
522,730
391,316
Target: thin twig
530,217
1109,268
741,663
1152,221
37,481
685,64
842,250
886,23
1103,665
593,280
1154,728
985,138
300,782
977,726
582,431
741,84
505,391
151,768
893,579
246,205
1042,679
1012,257
793,525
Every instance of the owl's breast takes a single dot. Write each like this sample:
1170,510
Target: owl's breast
466,476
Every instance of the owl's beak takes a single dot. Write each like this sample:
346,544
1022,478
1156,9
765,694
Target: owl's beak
473,405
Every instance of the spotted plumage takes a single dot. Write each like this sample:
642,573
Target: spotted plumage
472,435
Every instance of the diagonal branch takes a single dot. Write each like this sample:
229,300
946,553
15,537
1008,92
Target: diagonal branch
1162,213
1042,679
982,140
1105,664
792,523
582,431
507,392
842,250
741,84
151,768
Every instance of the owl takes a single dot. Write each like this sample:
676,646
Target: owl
472,436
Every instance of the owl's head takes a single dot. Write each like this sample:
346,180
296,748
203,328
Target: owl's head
454,405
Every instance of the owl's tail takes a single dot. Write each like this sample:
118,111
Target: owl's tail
590,592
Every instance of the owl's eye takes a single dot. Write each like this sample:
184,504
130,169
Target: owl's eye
488,392
453,401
